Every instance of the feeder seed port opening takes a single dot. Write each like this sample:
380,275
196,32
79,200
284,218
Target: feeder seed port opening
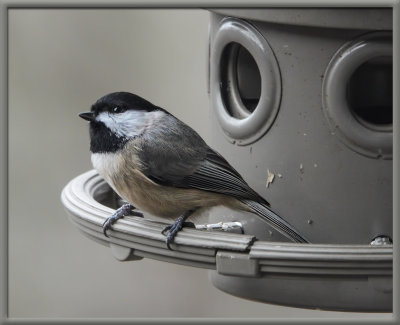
246,78
357,95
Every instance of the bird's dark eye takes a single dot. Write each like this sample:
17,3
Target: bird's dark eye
118,109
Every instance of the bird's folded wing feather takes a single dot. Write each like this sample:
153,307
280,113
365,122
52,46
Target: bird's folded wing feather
187,162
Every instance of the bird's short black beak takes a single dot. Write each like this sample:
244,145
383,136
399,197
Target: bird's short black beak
88,116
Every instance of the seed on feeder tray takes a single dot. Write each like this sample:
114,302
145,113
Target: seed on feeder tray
270,178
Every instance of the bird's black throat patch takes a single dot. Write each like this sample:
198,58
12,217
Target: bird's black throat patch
102,140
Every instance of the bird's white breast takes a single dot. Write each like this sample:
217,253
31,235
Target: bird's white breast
108,165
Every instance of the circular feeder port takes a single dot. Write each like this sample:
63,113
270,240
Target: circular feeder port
357,95
245,81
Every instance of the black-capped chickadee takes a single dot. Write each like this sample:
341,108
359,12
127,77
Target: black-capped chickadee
161,166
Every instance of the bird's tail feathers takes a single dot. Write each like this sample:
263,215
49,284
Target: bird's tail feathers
274,220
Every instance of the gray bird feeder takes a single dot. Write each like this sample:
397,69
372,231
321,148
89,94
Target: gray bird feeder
302,100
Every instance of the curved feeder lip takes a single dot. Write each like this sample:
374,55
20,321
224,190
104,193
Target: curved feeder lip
135,237
230,254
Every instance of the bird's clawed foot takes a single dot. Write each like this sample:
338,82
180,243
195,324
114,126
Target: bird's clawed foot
125,210
176,227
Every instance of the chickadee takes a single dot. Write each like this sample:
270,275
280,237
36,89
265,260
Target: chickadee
161,166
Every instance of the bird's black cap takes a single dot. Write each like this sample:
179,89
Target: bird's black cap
124,100
101,139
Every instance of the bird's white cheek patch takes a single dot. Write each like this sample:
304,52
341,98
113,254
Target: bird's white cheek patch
126,124
130,123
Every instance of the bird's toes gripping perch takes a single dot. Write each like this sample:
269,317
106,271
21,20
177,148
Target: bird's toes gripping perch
123,211
176,227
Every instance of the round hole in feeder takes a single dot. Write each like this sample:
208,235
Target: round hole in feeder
245,81
357,95
370,93
240,80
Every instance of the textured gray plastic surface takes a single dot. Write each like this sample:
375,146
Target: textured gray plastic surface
343,18
326,189
334,188
256,268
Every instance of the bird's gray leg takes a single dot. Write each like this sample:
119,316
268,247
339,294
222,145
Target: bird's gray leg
123,211
177,226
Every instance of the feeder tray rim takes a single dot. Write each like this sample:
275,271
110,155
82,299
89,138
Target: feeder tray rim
134,238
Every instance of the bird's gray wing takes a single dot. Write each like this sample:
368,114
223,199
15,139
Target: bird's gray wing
217,175
179,157
184,160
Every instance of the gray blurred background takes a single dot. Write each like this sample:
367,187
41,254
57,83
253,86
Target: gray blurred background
60,62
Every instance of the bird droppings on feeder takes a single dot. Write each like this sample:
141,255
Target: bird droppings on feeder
270,178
